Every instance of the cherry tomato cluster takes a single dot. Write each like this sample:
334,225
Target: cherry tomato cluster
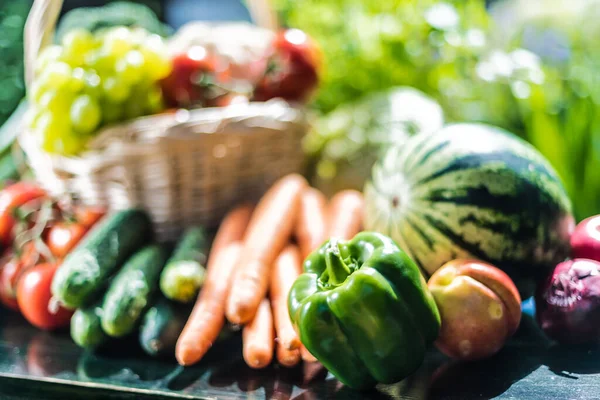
36,233
289,70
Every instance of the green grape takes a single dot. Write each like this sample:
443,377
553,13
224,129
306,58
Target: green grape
85,114
55,75
117,42
155,43
115,89
135,104
134,109
92,84
78,42
74,60
112,112
139,91
51,127
131,68
57,102
158,64
101,61
48,55
72,144
67,144
77,81
57,136
154,100
138,36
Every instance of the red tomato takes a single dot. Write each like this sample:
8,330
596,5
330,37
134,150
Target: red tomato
293,68
33,296
193,78
11,197
64,236
8,277
10,271
89,215
7,274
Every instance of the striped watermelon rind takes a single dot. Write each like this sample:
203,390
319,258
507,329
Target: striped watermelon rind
472,190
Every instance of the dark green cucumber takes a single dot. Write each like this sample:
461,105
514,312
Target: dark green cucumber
131,291
105,248
161,326
185,271
86,330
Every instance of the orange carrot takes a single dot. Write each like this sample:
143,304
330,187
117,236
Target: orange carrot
257,337
208,316
285,272
285,357
345,214
306,356
311,228
232,229
269,231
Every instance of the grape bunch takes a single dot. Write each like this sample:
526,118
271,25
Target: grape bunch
93,80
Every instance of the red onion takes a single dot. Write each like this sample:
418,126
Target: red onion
568,302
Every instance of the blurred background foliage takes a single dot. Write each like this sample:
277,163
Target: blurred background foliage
12,22
529,66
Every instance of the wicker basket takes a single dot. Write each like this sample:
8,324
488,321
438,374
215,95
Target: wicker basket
185,168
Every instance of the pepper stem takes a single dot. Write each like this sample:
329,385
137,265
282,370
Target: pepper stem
337,269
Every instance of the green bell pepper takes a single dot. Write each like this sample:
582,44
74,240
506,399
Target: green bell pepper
362,308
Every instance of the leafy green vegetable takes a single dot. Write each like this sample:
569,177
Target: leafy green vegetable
12,21
371,45
113,14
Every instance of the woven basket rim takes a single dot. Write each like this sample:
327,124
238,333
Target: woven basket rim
111,149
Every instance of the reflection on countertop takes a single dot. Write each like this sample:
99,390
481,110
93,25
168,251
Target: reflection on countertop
528,367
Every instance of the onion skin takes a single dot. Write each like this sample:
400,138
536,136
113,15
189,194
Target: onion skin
568,303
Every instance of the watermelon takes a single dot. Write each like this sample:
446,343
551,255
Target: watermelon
471,190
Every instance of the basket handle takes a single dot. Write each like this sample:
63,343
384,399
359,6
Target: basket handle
39,29
263,14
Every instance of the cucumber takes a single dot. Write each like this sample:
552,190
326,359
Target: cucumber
131,291
161,326
184,273
85,270
86,330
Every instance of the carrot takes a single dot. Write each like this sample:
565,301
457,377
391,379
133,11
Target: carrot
285,272
208,316
257,337
306,356
269,231
232,229
345,214
311,228
285,357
